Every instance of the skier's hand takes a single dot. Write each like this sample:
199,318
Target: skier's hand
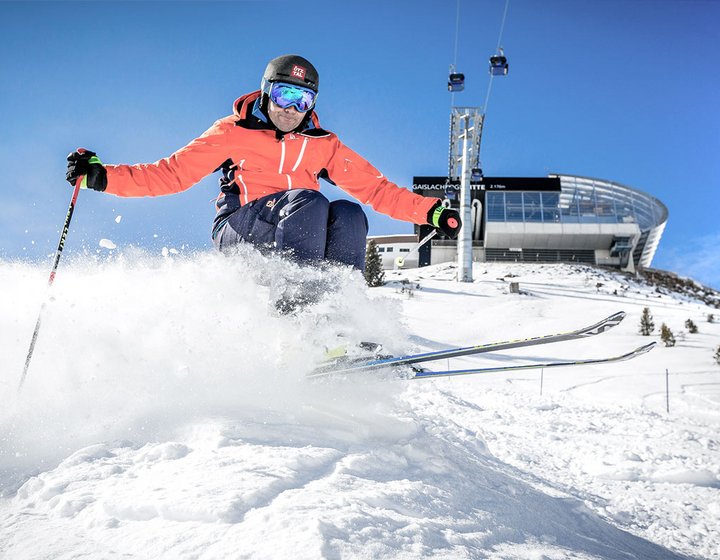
445,220
84,163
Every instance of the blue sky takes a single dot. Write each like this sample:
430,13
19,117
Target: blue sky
625,90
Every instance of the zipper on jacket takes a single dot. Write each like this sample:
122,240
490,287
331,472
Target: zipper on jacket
302,152
282,154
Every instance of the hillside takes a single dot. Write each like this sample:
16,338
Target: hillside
166,415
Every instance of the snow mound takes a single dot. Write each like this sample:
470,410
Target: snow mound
167,414
141,347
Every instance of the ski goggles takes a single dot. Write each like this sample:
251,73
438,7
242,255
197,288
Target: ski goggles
288,95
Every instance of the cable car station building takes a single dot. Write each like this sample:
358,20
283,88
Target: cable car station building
559,218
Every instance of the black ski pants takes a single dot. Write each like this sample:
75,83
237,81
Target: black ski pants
301,223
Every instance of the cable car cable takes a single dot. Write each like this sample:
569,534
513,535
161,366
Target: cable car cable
502,25
502,29
457,32
453,68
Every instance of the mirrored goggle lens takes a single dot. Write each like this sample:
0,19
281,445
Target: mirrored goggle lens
284,96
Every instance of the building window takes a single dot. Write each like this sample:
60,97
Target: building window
495,202
531,207
569,212
513,207
551,207
523,207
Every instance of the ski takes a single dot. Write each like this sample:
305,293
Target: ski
421,373
365,364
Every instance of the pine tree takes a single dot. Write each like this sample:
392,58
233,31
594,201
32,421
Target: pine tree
374,273
691,326
646,322
717,356
666,335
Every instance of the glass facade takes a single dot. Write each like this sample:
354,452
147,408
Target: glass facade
580,201
584,200
523,207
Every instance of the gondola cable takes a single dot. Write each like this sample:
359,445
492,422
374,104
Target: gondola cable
502,57
456,80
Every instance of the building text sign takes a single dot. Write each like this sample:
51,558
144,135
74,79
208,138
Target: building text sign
490,184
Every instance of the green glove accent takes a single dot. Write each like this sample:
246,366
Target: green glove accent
94,160
446,220
435,218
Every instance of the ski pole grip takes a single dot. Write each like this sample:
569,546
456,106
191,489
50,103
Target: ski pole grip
79,181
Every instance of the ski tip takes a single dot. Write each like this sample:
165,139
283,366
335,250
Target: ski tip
602,326
643,349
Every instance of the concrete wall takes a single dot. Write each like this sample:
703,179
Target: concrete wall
503,235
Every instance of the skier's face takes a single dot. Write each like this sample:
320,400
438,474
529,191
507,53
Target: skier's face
285,119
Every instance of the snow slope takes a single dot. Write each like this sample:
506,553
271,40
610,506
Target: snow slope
166,415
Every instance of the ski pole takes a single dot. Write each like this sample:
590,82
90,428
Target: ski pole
58,253
400,261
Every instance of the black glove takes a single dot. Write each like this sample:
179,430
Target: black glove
84,163
446,220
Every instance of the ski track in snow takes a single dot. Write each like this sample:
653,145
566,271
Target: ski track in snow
165,415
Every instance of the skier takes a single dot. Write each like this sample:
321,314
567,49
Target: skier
272,153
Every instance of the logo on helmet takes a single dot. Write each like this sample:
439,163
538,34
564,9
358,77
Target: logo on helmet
298,72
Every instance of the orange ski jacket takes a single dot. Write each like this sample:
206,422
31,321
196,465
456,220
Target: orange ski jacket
257,160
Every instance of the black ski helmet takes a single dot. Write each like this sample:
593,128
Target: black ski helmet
292,69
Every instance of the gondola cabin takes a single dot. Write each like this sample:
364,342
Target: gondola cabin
456,82
499,65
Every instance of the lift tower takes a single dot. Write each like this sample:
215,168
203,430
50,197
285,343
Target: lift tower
466,125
